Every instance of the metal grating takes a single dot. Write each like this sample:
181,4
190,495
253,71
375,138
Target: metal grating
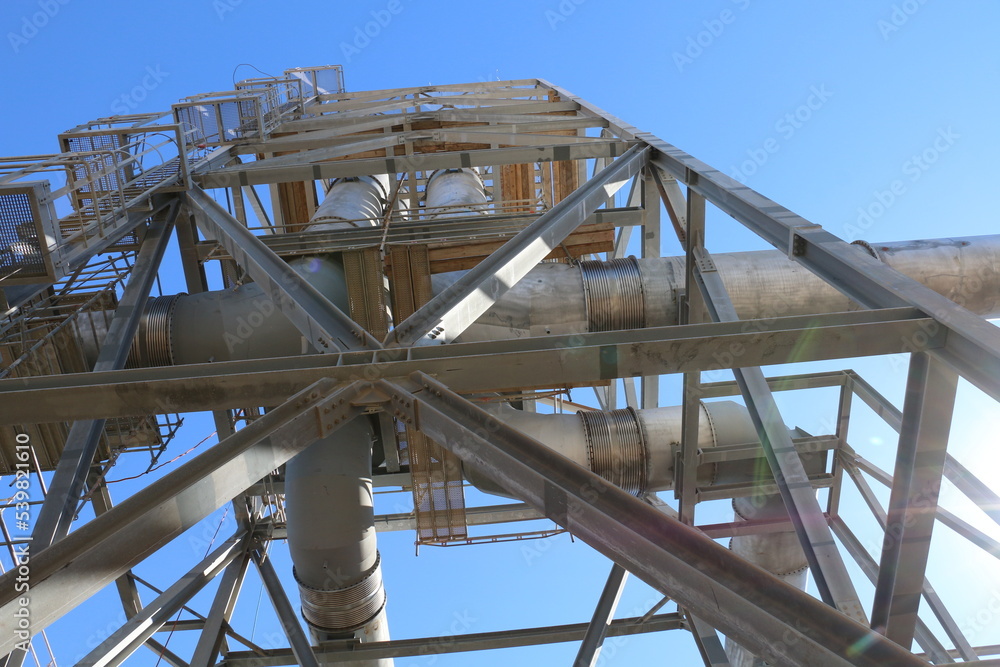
436,473
366,290
21,252
438,495
26,234
411,279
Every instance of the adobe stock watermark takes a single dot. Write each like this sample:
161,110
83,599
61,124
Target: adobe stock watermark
985,618
785,128
22,551
223,7
32,24
460,625
364,34
704,39
899,16
562,12
127,102
913,168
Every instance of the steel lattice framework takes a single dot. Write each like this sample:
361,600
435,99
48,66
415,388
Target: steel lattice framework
533,142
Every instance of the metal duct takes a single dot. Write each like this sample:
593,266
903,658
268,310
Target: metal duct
328,487
558,298
630,448
331,536
454,192
352,202
634,449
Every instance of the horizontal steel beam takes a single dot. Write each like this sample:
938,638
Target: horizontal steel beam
492,227
70,571
500,514
774,620
242,175
353,651
550,361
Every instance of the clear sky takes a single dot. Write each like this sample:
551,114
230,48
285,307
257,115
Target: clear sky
874,118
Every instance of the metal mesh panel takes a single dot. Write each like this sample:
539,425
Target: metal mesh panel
366,290
411,282
438,496
216,122
20,251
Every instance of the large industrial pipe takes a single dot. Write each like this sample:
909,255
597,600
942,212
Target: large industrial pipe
455,192
634,293
635,450
328,487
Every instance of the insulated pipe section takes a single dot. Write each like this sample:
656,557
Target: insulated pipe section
634,449
627,293
352,202
243,322
331,536
562,299
328,487
454,192
778,553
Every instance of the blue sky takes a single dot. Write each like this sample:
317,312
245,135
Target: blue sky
874,118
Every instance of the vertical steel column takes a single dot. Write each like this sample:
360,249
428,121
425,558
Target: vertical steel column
590,649
843,426
829,571
71,472
195,279
923,441
870,568
650,248
692,312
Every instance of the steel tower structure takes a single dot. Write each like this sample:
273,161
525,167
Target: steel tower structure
456,198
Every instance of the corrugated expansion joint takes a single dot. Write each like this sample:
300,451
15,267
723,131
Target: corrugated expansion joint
616,448
872,250
153,341
344,609
613,294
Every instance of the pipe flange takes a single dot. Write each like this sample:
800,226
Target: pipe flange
346,609
715,439
791,572
872,250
